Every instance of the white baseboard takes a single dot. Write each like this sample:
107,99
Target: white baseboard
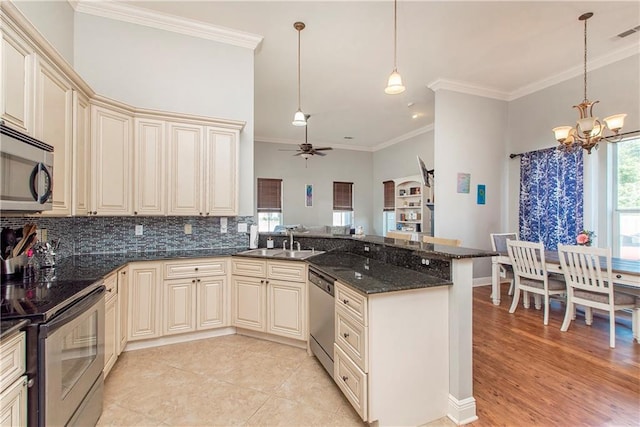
175,339
462,411
481,281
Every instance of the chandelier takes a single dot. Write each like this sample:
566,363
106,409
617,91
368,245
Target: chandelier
589,130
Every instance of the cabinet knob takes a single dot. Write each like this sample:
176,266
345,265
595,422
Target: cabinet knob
618,276
196,269
197,280
345,378
207,213
346,335
109,290
193,281
124,272
200,213
261,281
135,213
346,301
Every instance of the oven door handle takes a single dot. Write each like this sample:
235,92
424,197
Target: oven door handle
72,312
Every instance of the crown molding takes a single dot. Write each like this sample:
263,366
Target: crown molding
408,135
190,27
576,71
468,88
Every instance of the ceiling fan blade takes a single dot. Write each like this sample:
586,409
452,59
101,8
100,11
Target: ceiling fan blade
318,153
299,154
323,148
282,149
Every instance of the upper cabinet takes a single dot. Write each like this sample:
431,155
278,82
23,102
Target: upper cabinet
111,149
221,172
16,96
53,125
150,183
186,164
81,153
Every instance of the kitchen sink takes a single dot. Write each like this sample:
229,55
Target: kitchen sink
281,253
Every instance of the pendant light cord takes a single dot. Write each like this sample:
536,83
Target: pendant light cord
299,69
585,59
395,35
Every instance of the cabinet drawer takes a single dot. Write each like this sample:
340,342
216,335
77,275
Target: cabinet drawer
248,267
292,271
351,337
352,302
12,359
192,268
351,380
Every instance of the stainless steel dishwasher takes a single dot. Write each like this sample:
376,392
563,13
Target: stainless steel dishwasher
321,317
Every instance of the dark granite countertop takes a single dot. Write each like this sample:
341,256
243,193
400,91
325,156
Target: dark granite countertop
8,327
369,276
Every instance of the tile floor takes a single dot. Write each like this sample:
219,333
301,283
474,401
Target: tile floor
224,381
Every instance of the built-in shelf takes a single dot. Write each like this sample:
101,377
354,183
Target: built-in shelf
417,218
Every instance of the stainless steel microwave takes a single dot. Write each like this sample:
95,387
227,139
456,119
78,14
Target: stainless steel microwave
26,172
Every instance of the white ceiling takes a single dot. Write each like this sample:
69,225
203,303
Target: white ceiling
511,48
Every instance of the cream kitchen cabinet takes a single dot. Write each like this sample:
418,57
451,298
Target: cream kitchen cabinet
269,296
13,381
203,173
195,295
16,96
145,300
111,332
111,166
81,154
123,306
150,182
53,125
388,353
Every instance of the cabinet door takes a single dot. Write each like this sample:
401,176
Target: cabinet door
123,304
110,334
81,154
13,404
248,301
286,313
185,169
53,125
111,165
179,306
145,298
212,294
150,169
17,81
221,172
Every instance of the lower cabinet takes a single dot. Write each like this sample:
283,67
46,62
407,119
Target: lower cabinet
179,306
145,298
13,381
269,296
110,323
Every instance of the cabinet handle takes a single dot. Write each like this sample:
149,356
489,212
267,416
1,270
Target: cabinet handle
346,335
261,281
31,382
196,268
124,272
345,378
346,301
197,280
200,213
95,212
207,213
193,281
618,276
109,290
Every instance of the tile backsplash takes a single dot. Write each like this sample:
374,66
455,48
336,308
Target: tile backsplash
95,235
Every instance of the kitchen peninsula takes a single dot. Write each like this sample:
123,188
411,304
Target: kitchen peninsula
446,272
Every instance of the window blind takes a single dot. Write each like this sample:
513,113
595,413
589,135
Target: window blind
269,195
343,196
389,195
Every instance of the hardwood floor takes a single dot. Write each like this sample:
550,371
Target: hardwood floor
529,374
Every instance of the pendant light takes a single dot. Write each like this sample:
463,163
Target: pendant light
394,84
589,131
299,118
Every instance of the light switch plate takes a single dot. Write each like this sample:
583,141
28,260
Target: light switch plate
139,230
223,225
242,227
187,229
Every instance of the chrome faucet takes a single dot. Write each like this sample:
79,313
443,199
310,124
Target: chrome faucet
284,243
297,245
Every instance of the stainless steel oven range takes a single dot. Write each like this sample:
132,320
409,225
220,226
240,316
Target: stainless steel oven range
65,348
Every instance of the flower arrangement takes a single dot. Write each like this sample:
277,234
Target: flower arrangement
585,238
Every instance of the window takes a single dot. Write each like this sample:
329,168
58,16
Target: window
343,203
269,204
388,213
626,199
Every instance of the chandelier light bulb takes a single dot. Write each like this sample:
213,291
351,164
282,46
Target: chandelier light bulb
615,122
299,119
394,85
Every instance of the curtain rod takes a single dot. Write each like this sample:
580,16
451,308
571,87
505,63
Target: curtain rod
511,156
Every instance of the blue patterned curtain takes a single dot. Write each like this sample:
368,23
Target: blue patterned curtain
551,196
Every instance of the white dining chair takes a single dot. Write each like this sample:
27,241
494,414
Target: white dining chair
590,285
530,275
499,244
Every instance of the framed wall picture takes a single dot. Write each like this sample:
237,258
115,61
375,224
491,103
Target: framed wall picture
308,195
482,194
464,182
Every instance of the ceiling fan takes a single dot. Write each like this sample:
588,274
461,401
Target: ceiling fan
306,149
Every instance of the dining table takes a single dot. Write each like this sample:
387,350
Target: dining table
626,278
